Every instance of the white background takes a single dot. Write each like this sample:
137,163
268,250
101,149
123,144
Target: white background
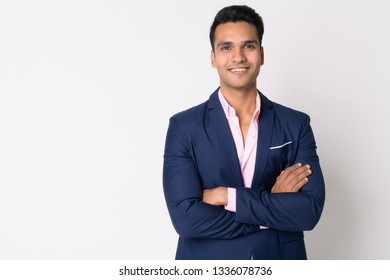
87,88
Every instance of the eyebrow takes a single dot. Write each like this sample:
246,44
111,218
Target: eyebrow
245,42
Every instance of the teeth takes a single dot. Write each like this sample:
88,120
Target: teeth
238,69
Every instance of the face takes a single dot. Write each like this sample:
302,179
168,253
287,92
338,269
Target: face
237,55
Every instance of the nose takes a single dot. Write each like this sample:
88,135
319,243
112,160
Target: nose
238,56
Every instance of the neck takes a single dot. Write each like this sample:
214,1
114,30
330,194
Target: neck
243,101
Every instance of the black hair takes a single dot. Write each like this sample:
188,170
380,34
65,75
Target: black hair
237,13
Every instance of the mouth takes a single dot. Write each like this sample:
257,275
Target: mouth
239,69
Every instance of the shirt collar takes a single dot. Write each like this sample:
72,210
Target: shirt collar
230,111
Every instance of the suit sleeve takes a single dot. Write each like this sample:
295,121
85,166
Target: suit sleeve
287,211
183,194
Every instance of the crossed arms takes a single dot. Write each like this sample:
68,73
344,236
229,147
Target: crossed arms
294,204
292,179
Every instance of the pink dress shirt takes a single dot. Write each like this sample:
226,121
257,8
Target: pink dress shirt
246,152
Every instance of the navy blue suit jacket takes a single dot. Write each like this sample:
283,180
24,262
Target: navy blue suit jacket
200,153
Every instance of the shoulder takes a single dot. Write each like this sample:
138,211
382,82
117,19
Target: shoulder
284,113
190,120
290,112
197,113
187,124
191,113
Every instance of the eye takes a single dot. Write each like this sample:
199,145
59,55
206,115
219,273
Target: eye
225,48
249,46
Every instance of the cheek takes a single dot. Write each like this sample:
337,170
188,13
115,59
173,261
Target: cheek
256,58
221,60
220,68
220,72
257,62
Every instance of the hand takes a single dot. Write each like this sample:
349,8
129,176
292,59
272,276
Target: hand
217,196
292,179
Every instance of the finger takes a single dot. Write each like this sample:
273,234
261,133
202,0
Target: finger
300,180
298,174
292,179
285,173
300,185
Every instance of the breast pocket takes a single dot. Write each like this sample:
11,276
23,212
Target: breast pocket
279,158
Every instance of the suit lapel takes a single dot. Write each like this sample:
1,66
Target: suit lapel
266,124
221,126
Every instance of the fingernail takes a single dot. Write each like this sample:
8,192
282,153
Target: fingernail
308,166
299,164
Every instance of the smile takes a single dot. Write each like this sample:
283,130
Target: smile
239,69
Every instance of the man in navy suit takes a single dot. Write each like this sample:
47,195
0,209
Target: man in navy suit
241,176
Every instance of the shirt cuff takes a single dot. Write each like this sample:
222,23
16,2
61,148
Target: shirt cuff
231,206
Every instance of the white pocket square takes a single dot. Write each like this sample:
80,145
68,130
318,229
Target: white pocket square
281,146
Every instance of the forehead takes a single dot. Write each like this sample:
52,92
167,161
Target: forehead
235,32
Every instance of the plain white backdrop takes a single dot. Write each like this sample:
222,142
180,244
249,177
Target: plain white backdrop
87,88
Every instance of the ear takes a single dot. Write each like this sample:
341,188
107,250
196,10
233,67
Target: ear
262,55
212,56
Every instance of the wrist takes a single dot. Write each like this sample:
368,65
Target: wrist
224,196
